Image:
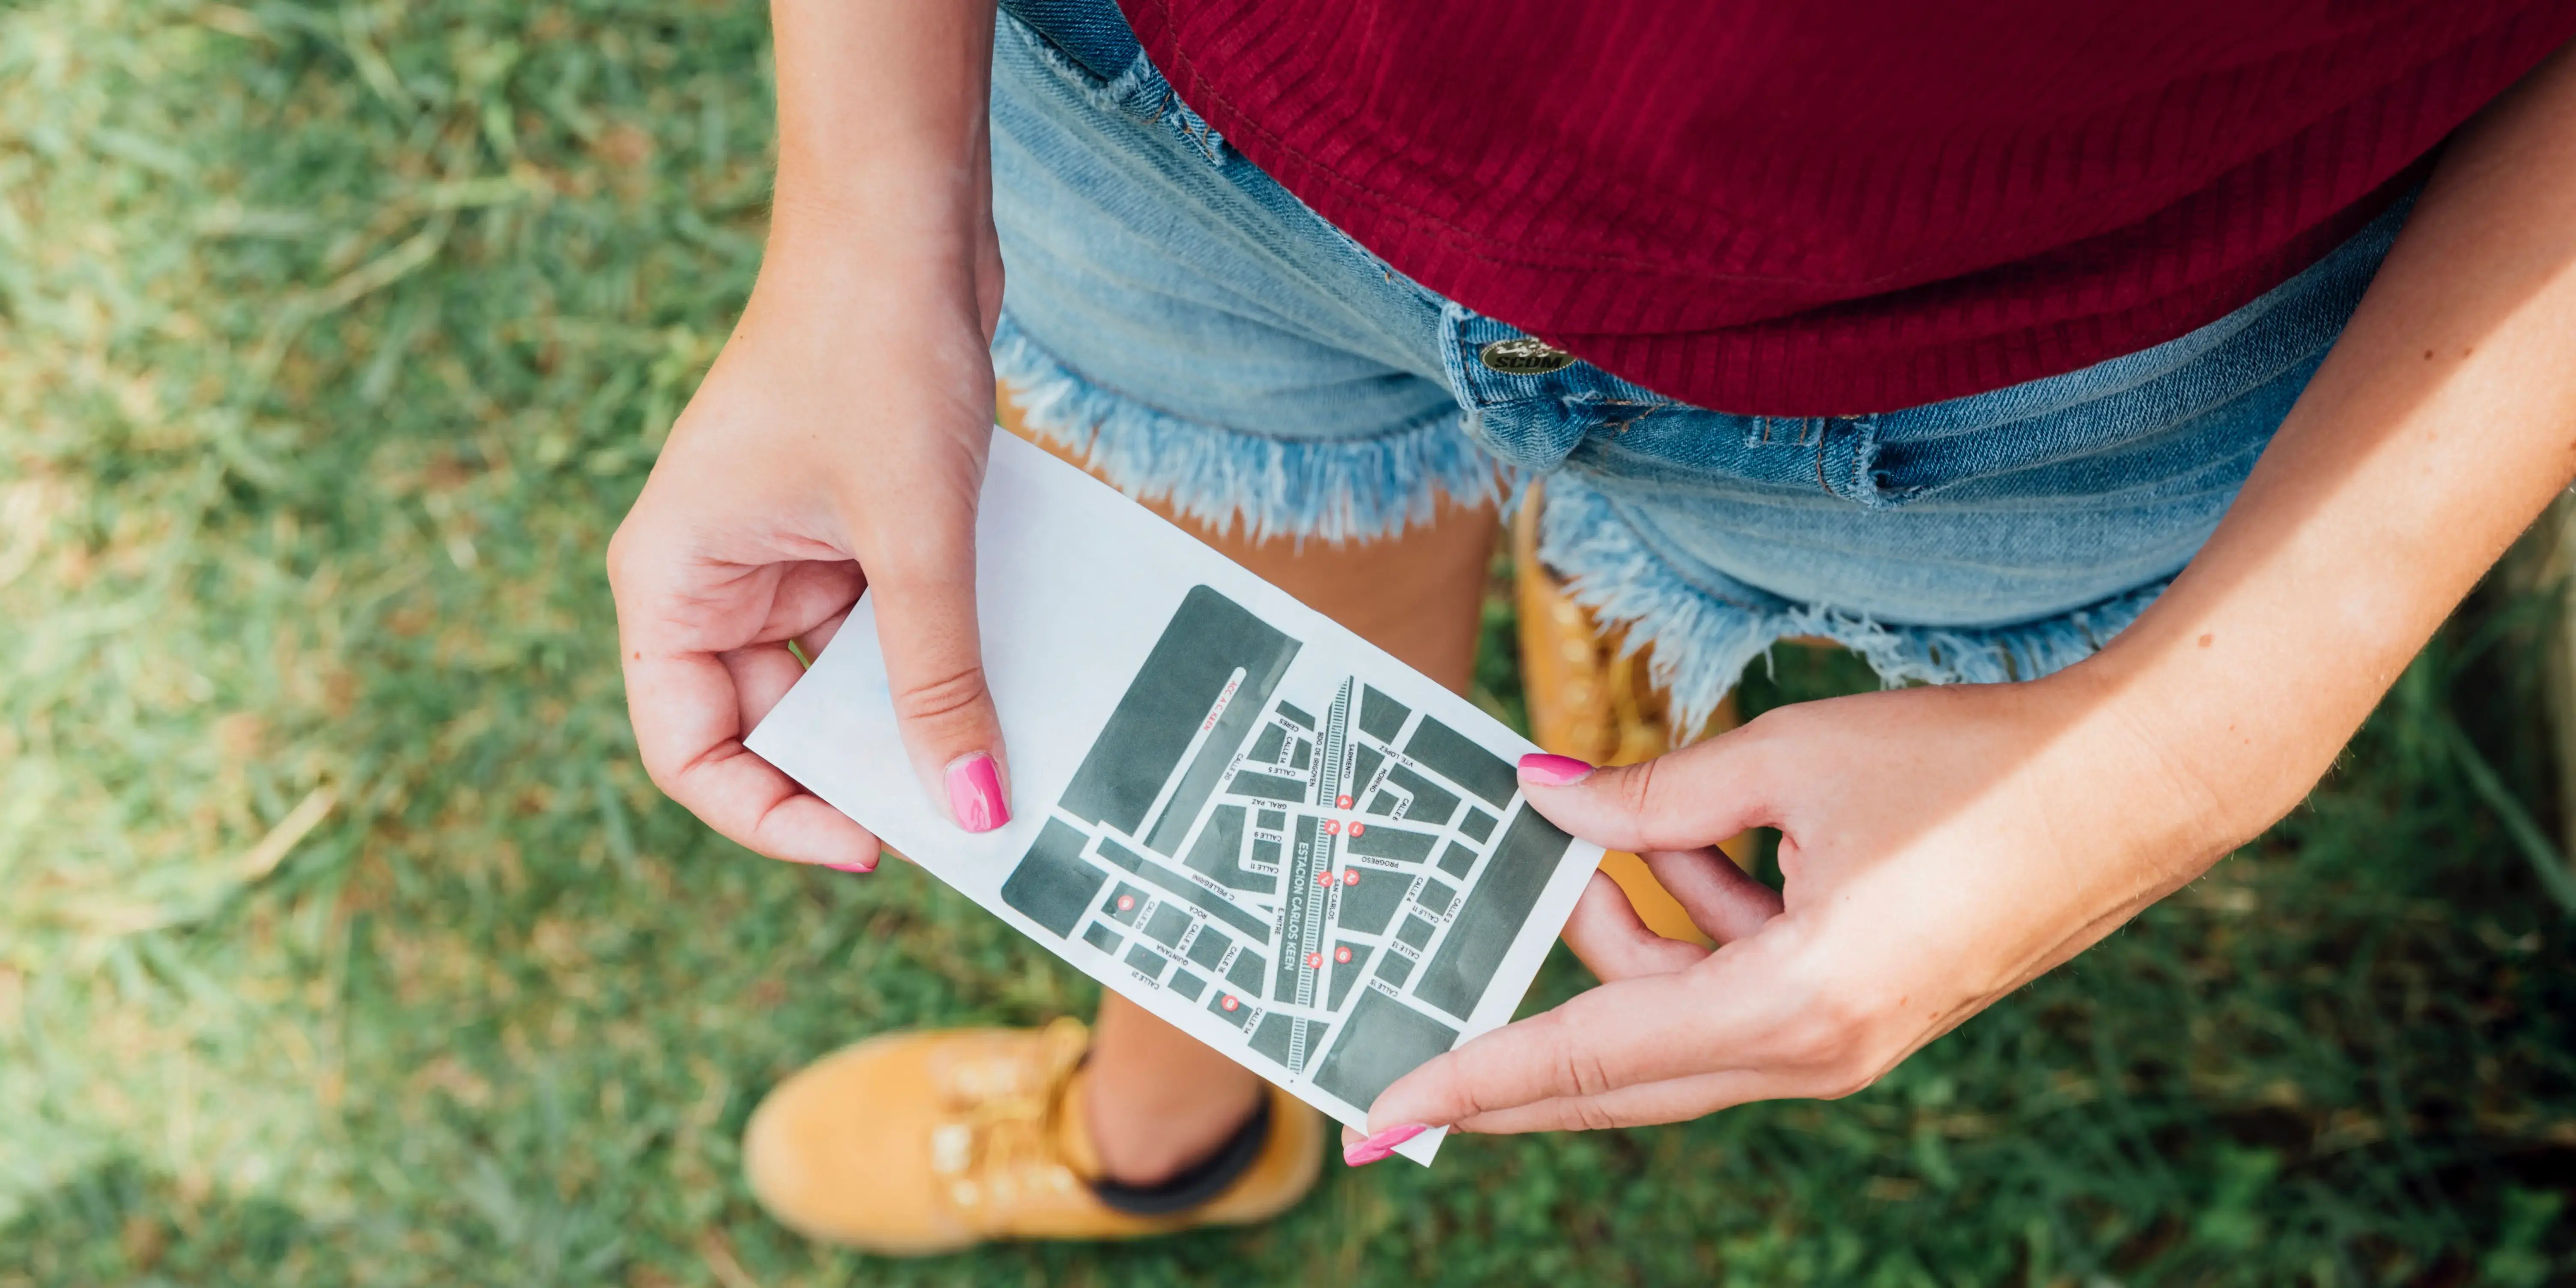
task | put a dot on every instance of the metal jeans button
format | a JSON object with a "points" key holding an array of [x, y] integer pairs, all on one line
{"points": [[1524, 357]]}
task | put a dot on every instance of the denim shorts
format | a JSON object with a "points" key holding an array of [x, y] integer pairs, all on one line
{"points": [[1213, 343]]}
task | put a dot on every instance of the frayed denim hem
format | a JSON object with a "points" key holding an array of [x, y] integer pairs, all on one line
{"points": [[1337, 489], [1702, 644]]}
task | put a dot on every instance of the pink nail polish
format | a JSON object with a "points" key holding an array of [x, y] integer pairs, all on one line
{"points": [[851, 867], [975, 794], [1382, 1144], [1553, 771]]}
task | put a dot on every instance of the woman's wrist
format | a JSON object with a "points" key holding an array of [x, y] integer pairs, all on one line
{"points": [[833, 273], [893, 227], [2210, 757]]}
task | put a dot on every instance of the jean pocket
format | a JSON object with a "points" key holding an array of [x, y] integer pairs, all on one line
{"points": [[1093, 34], [1073, 40]]}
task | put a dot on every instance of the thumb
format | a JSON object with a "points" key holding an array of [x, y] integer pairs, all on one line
{"points": [[924, 583], [1687, 799]]}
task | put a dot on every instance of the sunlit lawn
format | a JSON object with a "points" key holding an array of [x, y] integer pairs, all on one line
{"points": [[344, 942]]}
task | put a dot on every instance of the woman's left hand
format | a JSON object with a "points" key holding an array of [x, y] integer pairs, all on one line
{"points": [[1943, 846], [1939, 847]]}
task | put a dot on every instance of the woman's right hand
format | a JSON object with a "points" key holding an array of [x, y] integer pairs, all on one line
{"points": [[838, 444]]}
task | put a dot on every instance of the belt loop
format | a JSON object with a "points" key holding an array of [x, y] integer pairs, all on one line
{"points": [[1847, 462]]}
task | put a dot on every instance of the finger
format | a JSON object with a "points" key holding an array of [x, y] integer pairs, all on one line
{"points": [[809, 594], [688, 729], [925, 608], [762, 674], [1645, 1028], [1669, 1101], [819, 638], [1697, 796], [1721, 898], [1609, 937]]}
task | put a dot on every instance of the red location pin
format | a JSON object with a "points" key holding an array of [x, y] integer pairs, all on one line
{"points": [[1332, 826], [1126, 903], [1341, 802], [1350, 876], [1314, 961], [1342, 954], [1229, 1002], [1358, 828], [1323, 878]]}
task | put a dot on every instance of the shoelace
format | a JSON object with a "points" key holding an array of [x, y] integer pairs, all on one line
{"points": [[1004, 1141]]}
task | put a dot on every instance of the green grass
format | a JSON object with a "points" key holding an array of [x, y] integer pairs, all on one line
{"points": [[344, 941]]}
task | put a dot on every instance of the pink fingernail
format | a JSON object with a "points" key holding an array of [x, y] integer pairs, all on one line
{"points": [[1382, 1144], [1548, 770], [975, 794], [851, 867]]}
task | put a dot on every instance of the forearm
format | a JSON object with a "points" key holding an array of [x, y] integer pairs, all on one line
{"points": [[881, 253], [881, 127], [2442, 422], [864, 350]]}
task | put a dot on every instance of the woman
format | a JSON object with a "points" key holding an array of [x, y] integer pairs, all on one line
{"points": [[2169, 374]]}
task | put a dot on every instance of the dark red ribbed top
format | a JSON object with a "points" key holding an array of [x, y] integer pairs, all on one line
{"points": [[1810, 207]]}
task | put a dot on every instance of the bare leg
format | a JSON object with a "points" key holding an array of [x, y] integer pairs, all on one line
{"points": [[1158, 1100]]}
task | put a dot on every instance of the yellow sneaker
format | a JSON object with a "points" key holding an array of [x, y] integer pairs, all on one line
{"points": [[918, 1143], [1590, 700]]}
